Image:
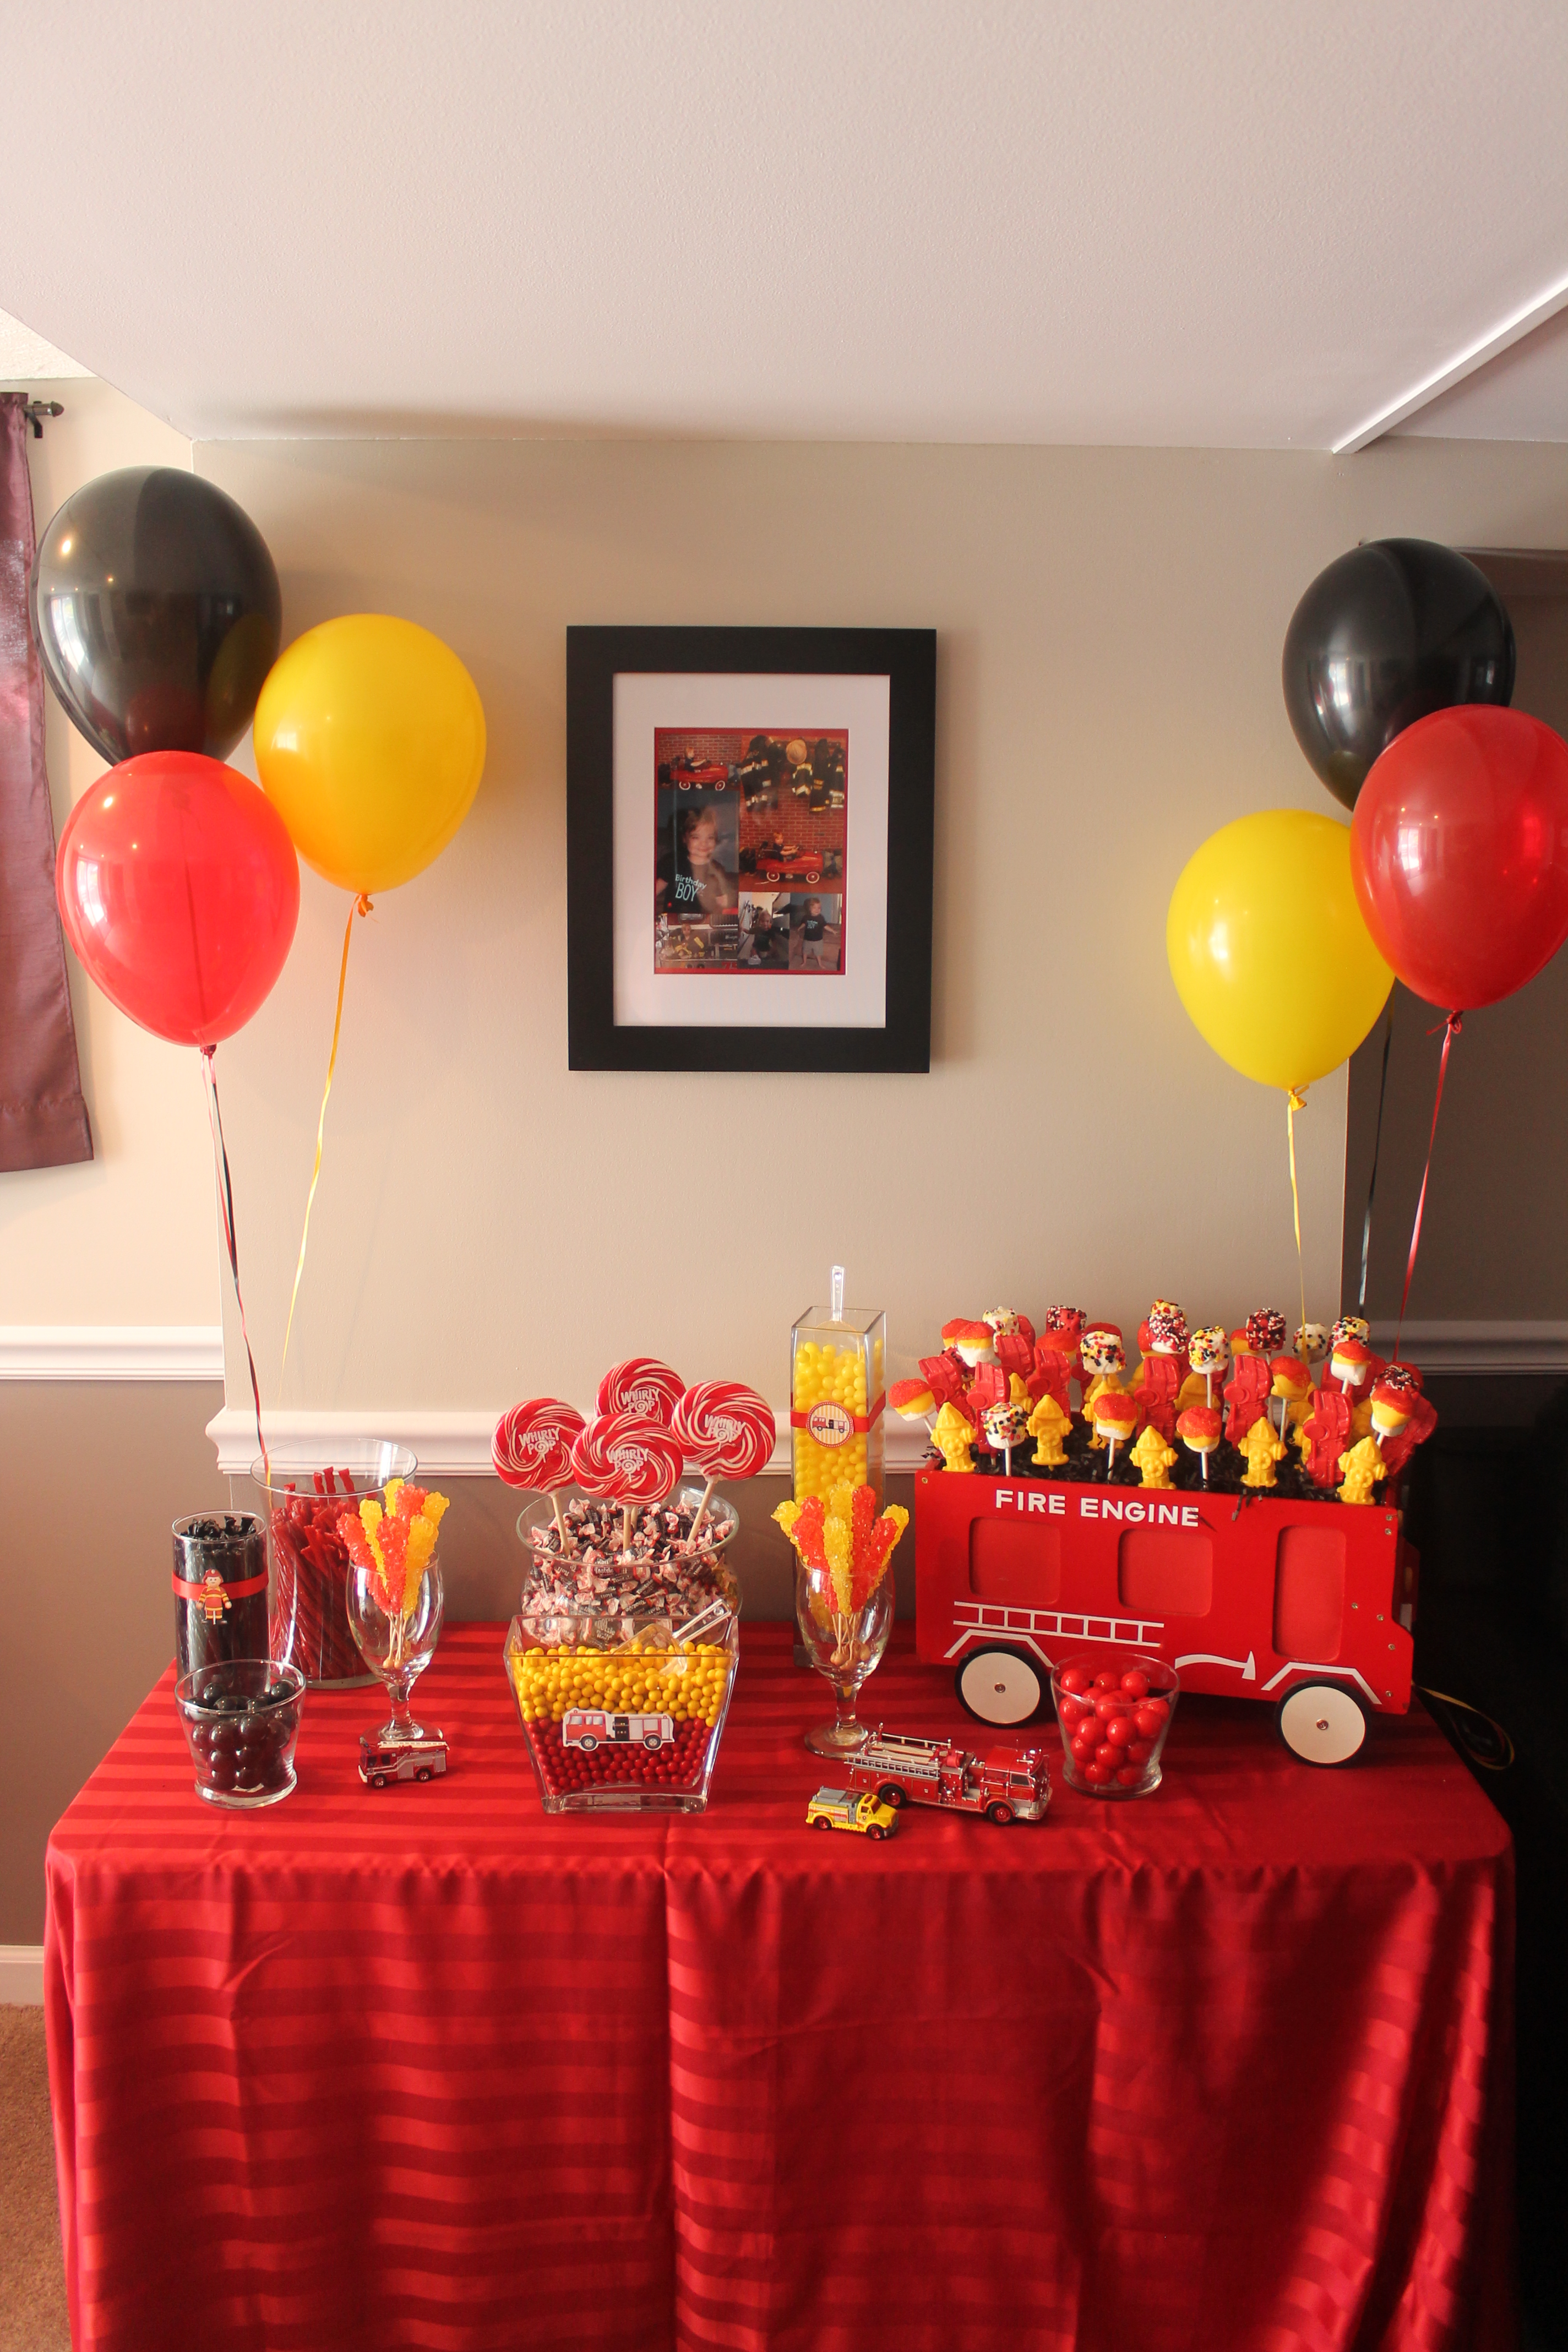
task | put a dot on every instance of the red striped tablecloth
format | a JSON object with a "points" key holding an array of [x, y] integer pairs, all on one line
{"points": [[1223, 2068]]}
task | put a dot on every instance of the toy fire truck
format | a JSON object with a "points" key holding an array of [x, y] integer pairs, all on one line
{"points": [[1005, 1784], [1308, 1605]]}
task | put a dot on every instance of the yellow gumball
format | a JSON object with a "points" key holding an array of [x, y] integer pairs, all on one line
{"points": [[370, 742], [1268, 950]]}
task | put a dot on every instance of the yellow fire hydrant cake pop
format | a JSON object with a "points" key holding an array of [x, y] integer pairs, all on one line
{"points": [[1263, 1447], [1048, 1425], [955, 1436], [1363, 1465], [1154, 1457]]}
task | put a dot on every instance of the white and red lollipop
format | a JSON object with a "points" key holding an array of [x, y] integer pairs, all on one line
{"points": [[641, 1385], [726, 1430], [532, 1447], [629, 1458]]}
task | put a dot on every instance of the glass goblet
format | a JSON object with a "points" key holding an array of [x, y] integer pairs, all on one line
{"points": [[846, 1646], [397, 1647]]}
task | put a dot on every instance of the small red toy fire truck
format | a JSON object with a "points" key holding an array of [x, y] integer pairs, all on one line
{"points": [[1005, 1784], [1305, 1604]]}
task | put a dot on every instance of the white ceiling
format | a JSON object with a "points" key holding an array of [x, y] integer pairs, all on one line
{"points": [[1219, 223]]}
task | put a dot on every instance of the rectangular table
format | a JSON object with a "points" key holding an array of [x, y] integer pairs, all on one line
{"points": [[1226, 2067]]}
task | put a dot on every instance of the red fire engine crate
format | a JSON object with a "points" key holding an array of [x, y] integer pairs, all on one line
{"points": [[1250, 1597]]}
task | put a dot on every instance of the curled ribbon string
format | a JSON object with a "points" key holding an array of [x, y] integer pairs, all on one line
{"points": [[1295, 1101], [1451, 1029], [226, 1214], [1376, 1149], [362, 906]]}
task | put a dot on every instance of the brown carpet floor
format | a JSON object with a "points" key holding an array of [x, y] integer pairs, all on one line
{"points": [[32, 2276]]}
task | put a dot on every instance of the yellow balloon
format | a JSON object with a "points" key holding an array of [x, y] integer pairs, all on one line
{"points": [[370, 742], [1268, 950]]}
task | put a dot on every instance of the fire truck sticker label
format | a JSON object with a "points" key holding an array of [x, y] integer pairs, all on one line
{"points": [[830, 1424]]}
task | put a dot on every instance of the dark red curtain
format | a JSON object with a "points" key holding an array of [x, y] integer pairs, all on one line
{"points": [[43, 1119]]}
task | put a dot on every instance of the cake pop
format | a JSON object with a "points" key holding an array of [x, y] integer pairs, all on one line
{"points": [[1263, 1449], [1397, 1448], [1209, 1352], [1312, 1342], [1323, 1436], [1159, 1373], [1266, 1331], [973, 1342], [1048, 1424], [1350, 1367], [914, 1400], [1115, 1419], [1104, 1362], [1199, 1430], [1153, 1456], [1350, 1326], [1007, 1425], [1291, 1382], [1362, 1466], [955, 1436]]}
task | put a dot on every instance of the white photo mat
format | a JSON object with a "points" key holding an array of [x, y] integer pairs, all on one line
{"points": [[770, 701]]}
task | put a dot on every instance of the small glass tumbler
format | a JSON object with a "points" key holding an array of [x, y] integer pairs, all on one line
{"points": [[1114, 1714], [241, 1718], [396, 1646], [846, 1646]]}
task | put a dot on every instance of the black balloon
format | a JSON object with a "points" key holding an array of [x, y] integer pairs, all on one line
{"points": [[157, 612], [1389, 631]]}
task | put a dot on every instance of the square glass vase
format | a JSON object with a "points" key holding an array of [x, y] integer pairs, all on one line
{"points": [[835, 1400], [623, 1697]]}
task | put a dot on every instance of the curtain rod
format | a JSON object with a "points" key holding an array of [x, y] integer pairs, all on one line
{"points": [[36, 410]]}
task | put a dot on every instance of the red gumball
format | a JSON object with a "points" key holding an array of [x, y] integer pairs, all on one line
{"points": [[1107, 1682], [1139, 1751], [179, 889], [1070, 1712], [1151, 1716], [1129, 1776], [1076, 1680], [1135, 1684], [1120, 1731], [1083, 1748], [1459, 852], [1108, 1755], [1097, 1775], [1108, 1703]]}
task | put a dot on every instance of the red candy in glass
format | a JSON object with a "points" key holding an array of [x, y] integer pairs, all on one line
{"points": [[1077, 1680], [1108, 1703], [1129, 1776], [1135, 1684], [1096, 1776], [1107, 1682], [1107, 1754], [1150, 1716], [1120, 1731]]}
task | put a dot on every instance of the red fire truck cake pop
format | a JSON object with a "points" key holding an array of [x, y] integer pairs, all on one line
{"points": [[1247, 1390], [1200, 1429]]}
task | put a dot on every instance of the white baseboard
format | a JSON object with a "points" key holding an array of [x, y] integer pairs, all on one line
{"points": [[1469, 1347], [457, 1444], [114, 1351], [22, 1975]]}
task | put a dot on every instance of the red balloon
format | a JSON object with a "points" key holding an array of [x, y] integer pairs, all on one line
{"points": [[179, 889], [1459, 852]]}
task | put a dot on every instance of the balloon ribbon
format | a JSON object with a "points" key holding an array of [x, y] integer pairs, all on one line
{"points": [[226, 1214], [362, 906], [1451, 1029], [1295, 1101], [1377, 1150]]}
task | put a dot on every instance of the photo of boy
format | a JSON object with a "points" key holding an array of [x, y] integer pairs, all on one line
{"points": [[816, 933], [696, 875]]}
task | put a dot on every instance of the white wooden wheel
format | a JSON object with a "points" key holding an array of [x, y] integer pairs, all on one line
{"points": [[1002, 1686], [1322, 1723]]}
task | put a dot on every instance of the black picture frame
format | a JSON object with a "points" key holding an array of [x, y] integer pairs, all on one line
{"points": [[595, 656]]}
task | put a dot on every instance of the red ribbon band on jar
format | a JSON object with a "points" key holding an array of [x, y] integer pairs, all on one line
{"points": [[860, 1423], [240, 1592]]}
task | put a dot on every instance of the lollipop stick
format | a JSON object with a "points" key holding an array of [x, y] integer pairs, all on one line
{"points": [[1109, 1455], [1208, 1389], [1203, 1459], [626, 1527], [560, 1522], [1007, 1461], [702, 1506]]}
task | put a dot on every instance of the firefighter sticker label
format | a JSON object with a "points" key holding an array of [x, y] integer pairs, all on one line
{"points": [[831, 1423]]}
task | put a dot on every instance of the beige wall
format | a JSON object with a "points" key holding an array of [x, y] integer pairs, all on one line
{"points": [[130, 1236], [489, 1224]]}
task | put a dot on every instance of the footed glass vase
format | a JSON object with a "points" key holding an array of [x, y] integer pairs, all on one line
{"points": [[396, 1646], [844, 1646]]}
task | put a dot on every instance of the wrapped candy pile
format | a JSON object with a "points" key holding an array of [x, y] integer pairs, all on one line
{"points": [[1325, 1419], [623, 1651]]}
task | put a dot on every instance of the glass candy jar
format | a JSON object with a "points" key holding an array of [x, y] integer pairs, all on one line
{"points": [[622, 1656], [300, 1497], [220, 1589], [835, 1400]]}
